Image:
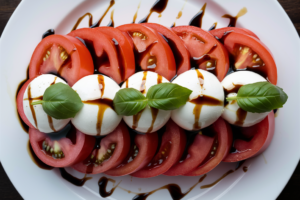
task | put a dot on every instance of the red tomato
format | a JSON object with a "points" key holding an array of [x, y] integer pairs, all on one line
{"points": [[181, 54], [151, 50], [142, 150], [73, 148], [220, 31], [172, 146], [221, 132], [194, 155], [62, 55], [112, 151], [20, 109], [206, 51], [251, 141], [123, 48], [107, 57], [251, 54]]}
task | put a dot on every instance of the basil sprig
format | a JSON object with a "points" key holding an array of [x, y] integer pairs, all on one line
{"points": [[260, 97], [60, 101], [164, 96]]}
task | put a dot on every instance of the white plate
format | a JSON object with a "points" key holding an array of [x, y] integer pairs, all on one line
{"points": [[267, 174]]}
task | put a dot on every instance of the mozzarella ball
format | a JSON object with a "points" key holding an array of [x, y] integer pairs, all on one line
{"points": [[205, 104], [150, 119], [97, 116], [35, 113], [232, 112]]}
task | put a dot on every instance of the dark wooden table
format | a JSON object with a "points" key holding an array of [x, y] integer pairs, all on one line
{"points": [[291, 190]]}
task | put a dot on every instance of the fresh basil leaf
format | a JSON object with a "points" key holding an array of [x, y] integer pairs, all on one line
{"points": [[167, 96], [129, 101], [60, 101], [260, 97]]}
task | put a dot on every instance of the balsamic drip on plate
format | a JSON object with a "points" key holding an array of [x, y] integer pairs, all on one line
{"points": [[35, 159], [48, 32], [72, 179], [197, 19], [159, 6], [233, 20]]}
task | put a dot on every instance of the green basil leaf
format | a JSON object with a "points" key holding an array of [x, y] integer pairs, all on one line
{"points": [[60, 101], [129, 101], [260, 97], [167, 96]]}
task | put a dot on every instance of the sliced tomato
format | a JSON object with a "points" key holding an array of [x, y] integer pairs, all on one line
{"points": [[63, 152], [172, 146], [152, 52], [219, 32], [251, 54], [20, 108], [104, 53], [251, 141], [222, 139], [61, 55], [181, 54], [112, 150], [206, 51], [123, 48], [142, 150]]}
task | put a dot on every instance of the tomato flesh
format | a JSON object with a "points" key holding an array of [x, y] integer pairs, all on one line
{"points": [[206, 52], [172, 146], [220, 31], [65, 56], [181, 54], [112, 151], [152, 52], [142, 150], [251, 54], [63, 152], [251, 141], [219, 149]]}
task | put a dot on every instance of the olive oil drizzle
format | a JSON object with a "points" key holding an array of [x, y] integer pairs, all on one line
{"points": [[233, 20], [158, 7]]}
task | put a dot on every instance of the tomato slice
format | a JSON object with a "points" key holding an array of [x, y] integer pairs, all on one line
{"points": [[152, 52], [20, 103], [142, 150], [172, 146], [220, 31], [104, 53], [251, 141], [251, 54], [112, 150], [222, 139], [206, 51], [123, 48], [61, 55], [181, 54], [62, 152]]}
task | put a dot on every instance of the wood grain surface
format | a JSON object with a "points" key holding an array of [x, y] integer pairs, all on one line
{"points": [[290, 192]]}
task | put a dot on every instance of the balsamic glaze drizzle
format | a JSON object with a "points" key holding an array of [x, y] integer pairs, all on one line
{"points": [[158, 7], [197, 19], [35, 159], [48, 32], [233, 20], [72, 179]]}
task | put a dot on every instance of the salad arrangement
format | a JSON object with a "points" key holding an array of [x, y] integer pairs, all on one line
{"points": [[145, 100]]}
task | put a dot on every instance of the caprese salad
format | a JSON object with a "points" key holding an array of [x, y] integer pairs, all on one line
{"points": [[145, 100]]}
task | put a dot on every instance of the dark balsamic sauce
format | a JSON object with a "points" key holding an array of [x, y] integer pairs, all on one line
{"points": [[72, 179], [213, 27], [111, 22], [218, 180], [96, 24], [35, 159], [233, 20], [135, 14], [102, 183], [245, 168], [48, 32], [197, 19], [158, 7], [174, 190]]}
